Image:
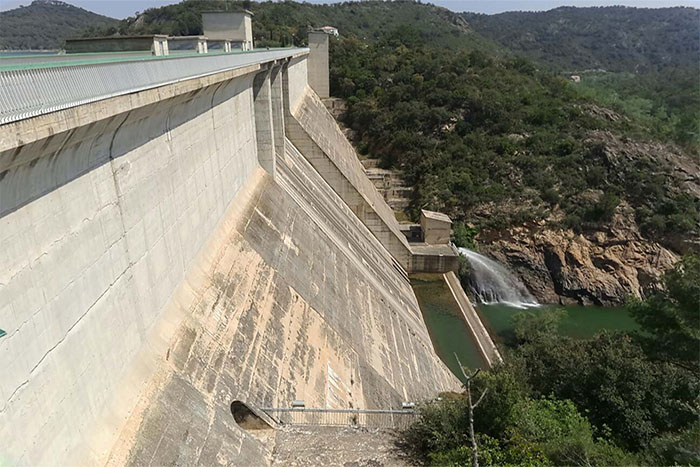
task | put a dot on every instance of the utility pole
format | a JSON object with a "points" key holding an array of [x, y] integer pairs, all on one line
{"points": [[468, 386]]}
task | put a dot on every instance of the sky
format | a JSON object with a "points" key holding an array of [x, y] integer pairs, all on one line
{"points": [[124, 8]]}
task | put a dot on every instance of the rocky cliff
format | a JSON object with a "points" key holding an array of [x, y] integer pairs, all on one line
{"points": [[602, 267], [602, 263]]}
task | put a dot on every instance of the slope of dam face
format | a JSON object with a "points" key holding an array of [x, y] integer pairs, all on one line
{"points": [[151, 273], [313, 130], [326, 326]]}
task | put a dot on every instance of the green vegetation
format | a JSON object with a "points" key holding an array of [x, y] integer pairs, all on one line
{"points": [[613, 38], [45, 24], [476, 135], [666, 103], [672, 317], [638, 61], [287, 23], [606, 400], [464, 235]]}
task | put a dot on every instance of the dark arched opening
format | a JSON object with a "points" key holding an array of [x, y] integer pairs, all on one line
{"points": [[247, 418]]}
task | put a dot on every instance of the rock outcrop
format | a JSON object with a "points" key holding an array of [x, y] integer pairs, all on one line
{"points": [[607, 262], [603, 267]]}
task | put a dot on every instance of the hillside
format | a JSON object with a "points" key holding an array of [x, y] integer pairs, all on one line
{"points": [[286, 23], [45, 24], [612, 38]]}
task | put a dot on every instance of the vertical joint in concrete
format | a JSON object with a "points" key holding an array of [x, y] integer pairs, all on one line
{"points": [[264, 130], [318, 64], [277, 104]]}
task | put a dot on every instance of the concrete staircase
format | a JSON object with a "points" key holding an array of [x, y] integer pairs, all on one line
{"points": [[389, 184]]}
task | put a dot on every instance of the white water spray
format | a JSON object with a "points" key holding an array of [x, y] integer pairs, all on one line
{"points": [[491, 282]]}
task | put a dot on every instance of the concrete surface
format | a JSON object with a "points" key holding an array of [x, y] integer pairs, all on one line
{"points": [[437, 227], [433, 258], [98, 227], [318, 64], [152, 272], [315, 133], [483, 339], [286, 311], [228, 25], [335, 446]]}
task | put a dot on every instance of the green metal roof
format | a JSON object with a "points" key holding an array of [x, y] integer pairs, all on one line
{"points": [[32, 62]]}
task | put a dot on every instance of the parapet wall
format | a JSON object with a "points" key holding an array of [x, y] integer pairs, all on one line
{"points": [[152, 273]]}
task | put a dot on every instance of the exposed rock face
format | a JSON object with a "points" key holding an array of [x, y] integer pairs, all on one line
{"points": [[684, 169], [602, 267], [605, 264]]}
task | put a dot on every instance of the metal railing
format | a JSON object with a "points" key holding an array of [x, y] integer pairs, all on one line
{"points": [[368, 418], [30, 90]]}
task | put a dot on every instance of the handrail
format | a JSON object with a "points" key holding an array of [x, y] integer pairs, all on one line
{"points": [[28, 92], [303, 409], [367, 418]]}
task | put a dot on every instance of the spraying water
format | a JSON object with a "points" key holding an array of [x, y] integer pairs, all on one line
{"points": [[492, 283]]}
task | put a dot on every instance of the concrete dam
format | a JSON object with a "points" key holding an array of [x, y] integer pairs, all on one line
{"points": [[179, 233]]}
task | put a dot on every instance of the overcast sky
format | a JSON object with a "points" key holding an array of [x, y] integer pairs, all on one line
{"points": [[124, 8]]}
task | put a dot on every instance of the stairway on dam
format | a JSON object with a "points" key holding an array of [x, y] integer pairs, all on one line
{"points": [[193, 230], [389, 184]]}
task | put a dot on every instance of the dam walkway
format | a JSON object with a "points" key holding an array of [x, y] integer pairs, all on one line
{"points": [[28, 87]]}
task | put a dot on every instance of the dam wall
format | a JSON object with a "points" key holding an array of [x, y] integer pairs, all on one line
{"points": [[168, 251]]}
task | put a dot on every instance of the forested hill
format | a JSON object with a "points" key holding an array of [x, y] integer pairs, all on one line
{"points": [[612, 38], [45, 24], [287, 23]]}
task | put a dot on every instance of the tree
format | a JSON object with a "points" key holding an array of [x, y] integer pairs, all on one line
{"points": [[678, 448], [511, 428], [471, 406], [611, 378], [670, 320]]}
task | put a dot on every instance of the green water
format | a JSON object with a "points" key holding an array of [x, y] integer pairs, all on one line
{"points": [[447, 328], [450, 333], [578, 322]]}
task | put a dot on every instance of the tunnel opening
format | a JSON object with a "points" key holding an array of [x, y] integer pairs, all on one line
{"points": [[247, 418]]}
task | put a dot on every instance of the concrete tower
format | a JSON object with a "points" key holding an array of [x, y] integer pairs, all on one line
{"points": [[318, 63], [233, 26]]}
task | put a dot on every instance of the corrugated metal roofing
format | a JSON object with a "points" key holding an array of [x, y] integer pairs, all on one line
{"points": [[38, 88]]}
